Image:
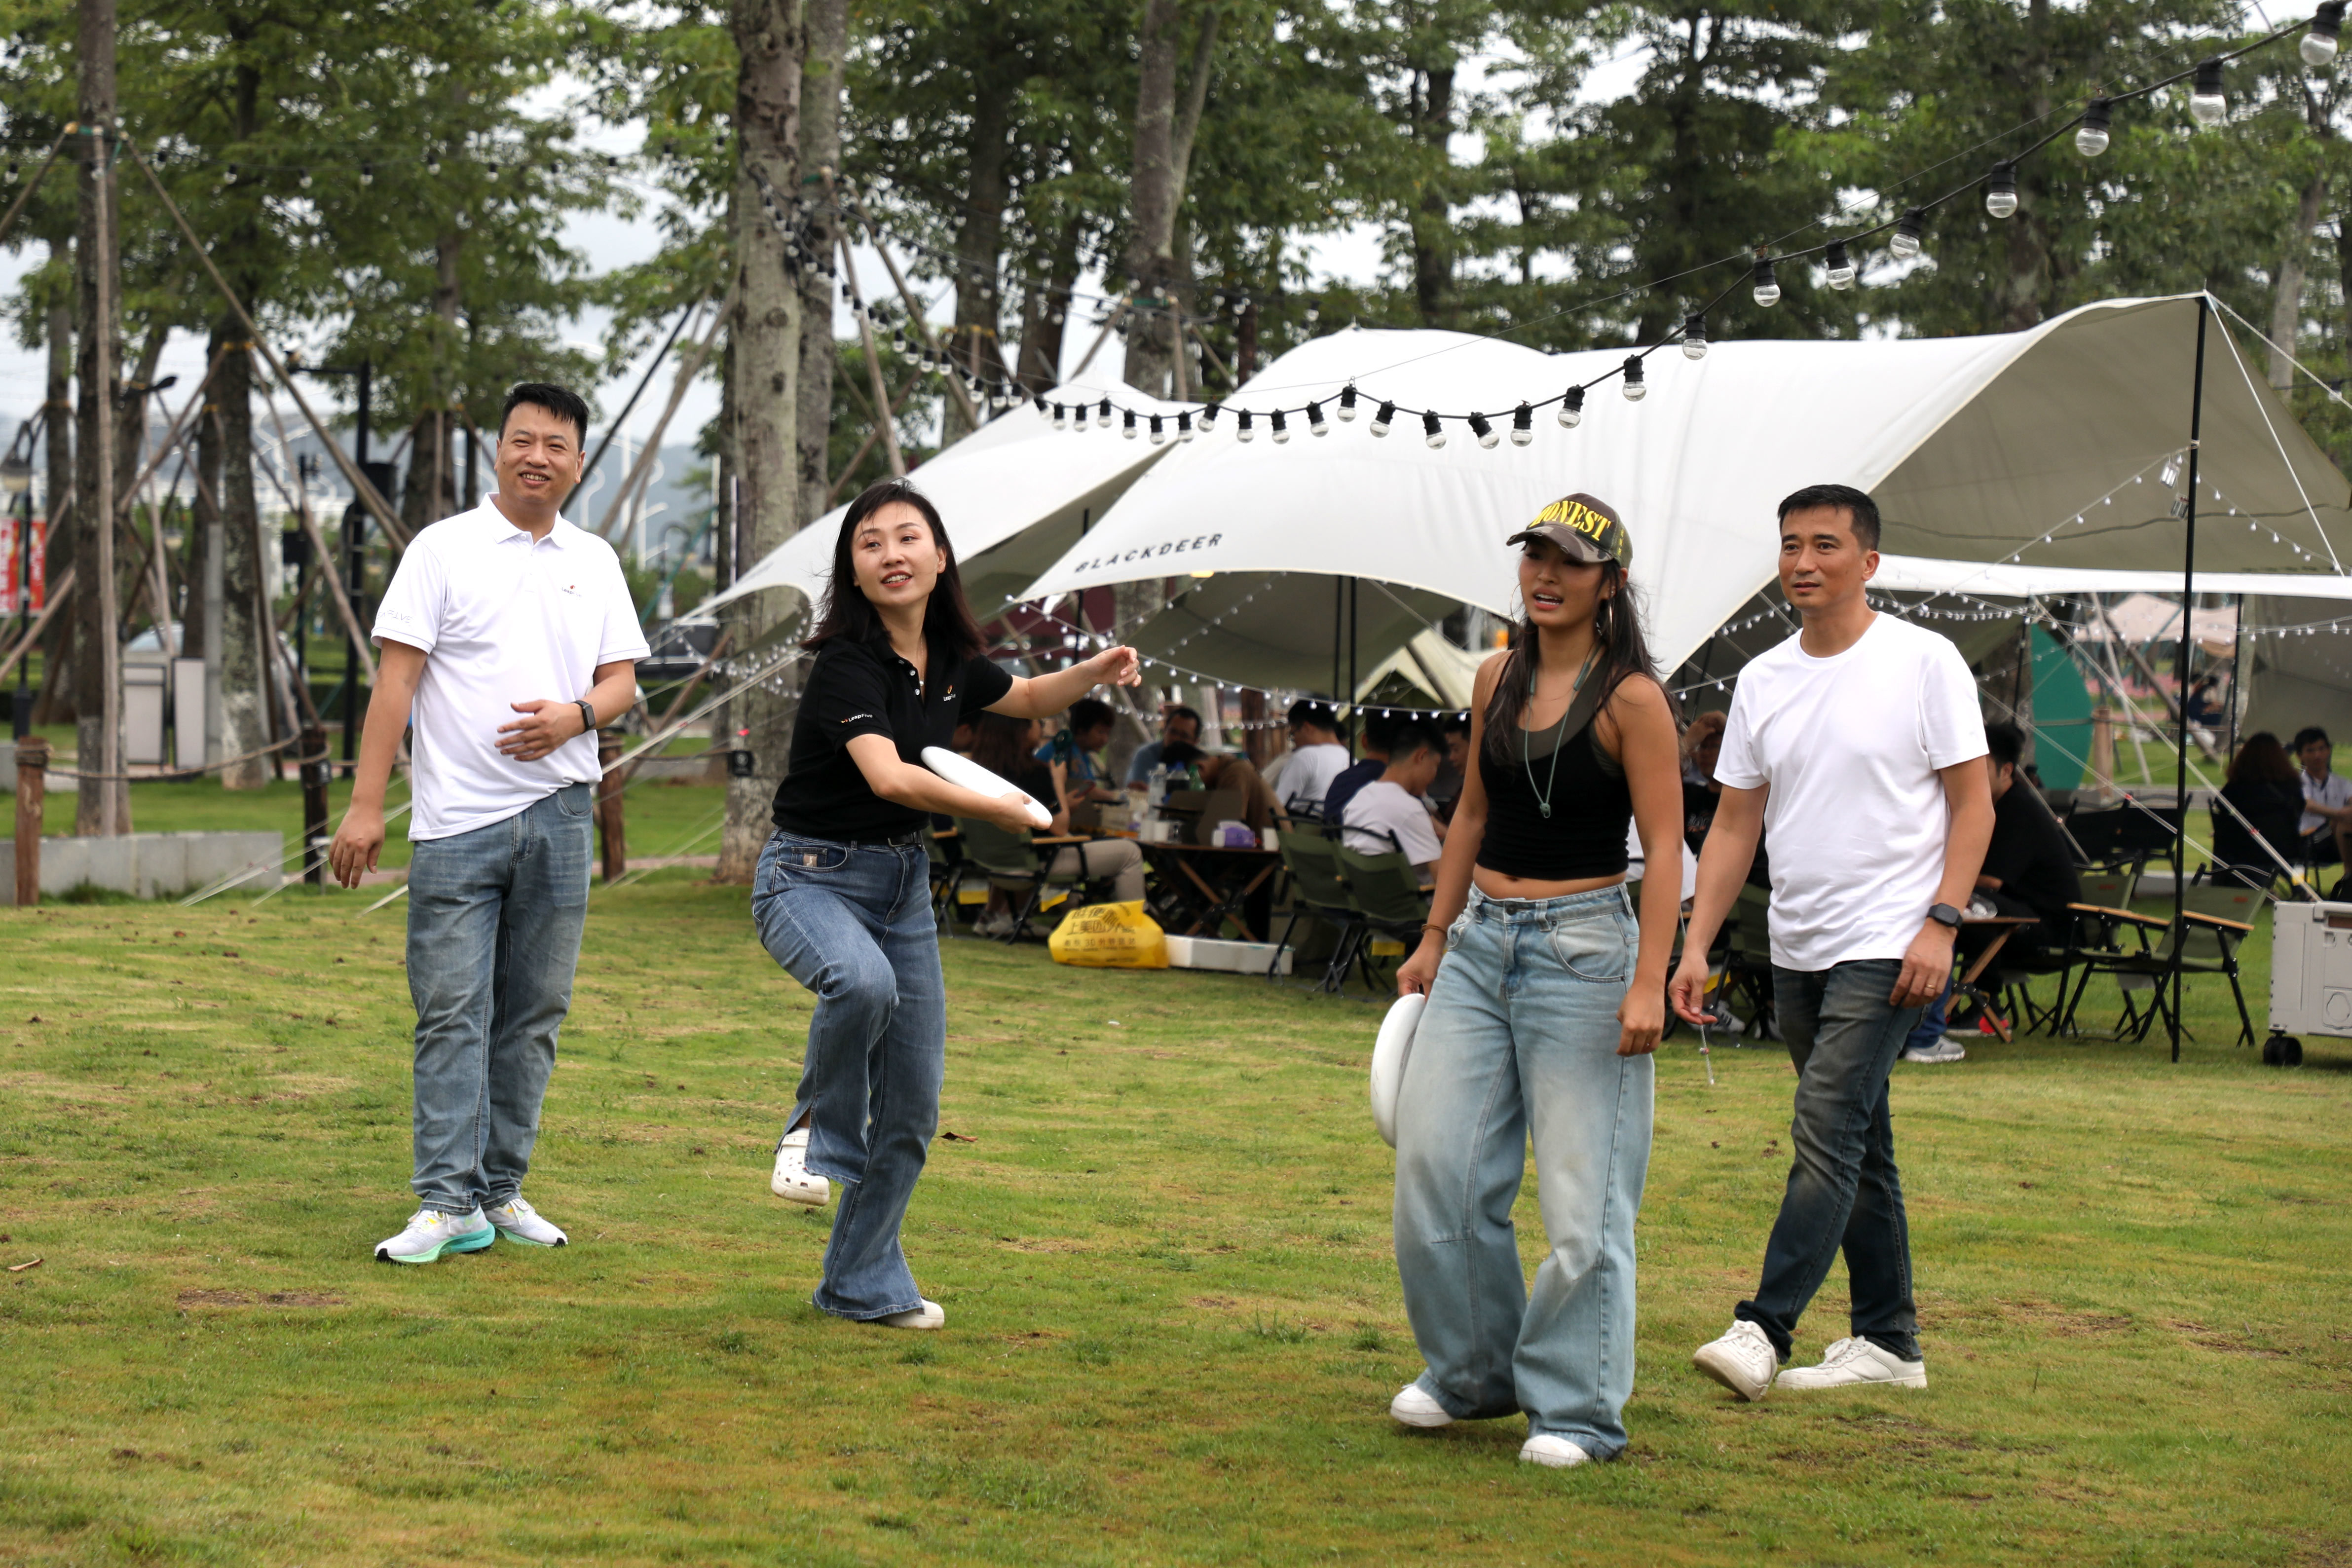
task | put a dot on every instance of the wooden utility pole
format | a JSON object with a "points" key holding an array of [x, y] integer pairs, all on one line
{"points": [[763, 368], [611, 834], [104, 806], [31, 781]]}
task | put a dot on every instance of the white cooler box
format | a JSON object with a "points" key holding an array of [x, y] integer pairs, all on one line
{"points": [[1238, 957], [2311, 977]]}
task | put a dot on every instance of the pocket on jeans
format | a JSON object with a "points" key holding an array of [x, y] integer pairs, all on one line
{"points": [[798, 856], [1457, 930], [1592, 948], [575, 799]]}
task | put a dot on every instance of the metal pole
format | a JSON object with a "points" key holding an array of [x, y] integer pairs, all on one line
{"points": [[1354, 730], [355, 577], [2187, 644]]}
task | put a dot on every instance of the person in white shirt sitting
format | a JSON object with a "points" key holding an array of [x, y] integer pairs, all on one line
{"points": [[1389, 813], [2327, 800], [1317, 758]]}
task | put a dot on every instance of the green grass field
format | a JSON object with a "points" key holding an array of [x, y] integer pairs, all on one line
{"points": [[1159, 1226]]}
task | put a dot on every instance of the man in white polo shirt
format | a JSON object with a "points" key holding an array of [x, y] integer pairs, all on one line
{"points": [[507, 637], [1858, 745]]}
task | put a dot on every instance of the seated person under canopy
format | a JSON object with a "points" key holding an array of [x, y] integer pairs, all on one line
{"points": [[1387, 814]]}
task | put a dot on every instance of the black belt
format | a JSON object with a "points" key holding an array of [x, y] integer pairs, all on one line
{"points": [[907, 840]]}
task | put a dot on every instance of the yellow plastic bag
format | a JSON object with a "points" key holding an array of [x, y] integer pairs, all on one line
{"points": [[1109, 936]]}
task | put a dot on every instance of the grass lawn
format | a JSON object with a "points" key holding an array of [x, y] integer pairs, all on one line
{"points": [[1160, 1232]]}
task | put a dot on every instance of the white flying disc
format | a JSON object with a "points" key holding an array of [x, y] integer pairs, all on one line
{"points": [[963, 770], [1389, 1056]]}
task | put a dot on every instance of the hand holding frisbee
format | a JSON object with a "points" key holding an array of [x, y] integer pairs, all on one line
{"points": [[967, 775], [1389, 1055]]}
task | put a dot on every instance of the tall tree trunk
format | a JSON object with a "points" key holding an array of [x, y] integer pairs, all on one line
{"points": [[103, 807], [1433, 221], [430, 492], [1165, 133], [56, 705], [1044, 313], [764, 334], [245, 717], [821, 98], [207, 566], [2026, 294], [2286, 309], [980, 243]]}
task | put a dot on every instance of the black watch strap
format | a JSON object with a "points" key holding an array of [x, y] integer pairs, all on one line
{"points": [[587, 715], [1944, 914]]}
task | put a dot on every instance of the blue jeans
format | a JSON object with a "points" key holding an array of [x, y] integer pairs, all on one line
{"points": [[853, 923], [1520, 1038], [1844, 1190], [494, 921]]}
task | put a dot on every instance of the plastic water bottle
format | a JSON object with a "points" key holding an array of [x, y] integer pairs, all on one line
{"points": [[1158, 793]]}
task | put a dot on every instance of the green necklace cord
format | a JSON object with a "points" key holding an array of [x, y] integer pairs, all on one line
{"points": [[1527, 748]]}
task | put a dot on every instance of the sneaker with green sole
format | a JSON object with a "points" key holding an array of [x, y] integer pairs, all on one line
{"points": [[431, 1233]]}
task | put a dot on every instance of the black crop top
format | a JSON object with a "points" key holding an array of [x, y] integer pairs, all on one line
{"points": [[1590, 810]]}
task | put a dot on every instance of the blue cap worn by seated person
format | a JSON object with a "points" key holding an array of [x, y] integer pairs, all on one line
{"points": [[1586, 528]]}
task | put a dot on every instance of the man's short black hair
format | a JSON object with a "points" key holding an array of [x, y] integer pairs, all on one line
{"points": [[1090, 713], [562, 401], [1180, 754], [1307, 711], [1860, 509], [2310, 733], [1181, 712], [2006, 742], [1381, 730], [1406, 736]]}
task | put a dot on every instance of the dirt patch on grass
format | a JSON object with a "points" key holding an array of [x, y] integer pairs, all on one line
{"points": [[2046, 1317], [259, 1299], [2223, 1339]]}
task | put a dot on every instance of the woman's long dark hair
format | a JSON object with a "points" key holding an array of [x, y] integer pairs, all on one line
{"points": [[1624, 652], [845, 612], [2261, 760]]}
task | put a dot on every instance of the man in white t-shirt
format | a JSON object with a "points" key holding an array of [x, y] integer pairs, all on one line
{"points": [[1389, 813], [2327, 822], [1316, 758], [507, 637], [1858, 745]]}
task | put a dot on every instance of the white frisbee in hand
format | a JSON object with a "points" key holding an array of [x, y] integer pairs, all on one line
{"points": [[971, 775], [1388, 1055]]}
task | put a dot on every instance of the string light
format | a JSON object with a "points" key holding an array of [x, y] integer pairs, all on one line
{"points": [[2209, 100], [1126, 426], [1841, 267], [1281, 431], [1183, 428], [1061, 417], [1766, 290], [1523, 426], [1158, 435], [1907, 232], [1383, 419], [2000, 191], [1571, 408], [1636, 388], [1433, 431], [1694, 335], [2091, 137], [2318, 45], [1241, 431], [1485, 432], [1316, 423], [1348, 403]]}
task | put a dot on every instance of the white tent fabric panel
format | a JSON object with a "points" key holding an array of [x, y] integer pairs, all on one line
{"points": [[2020, 580], [2292, 681], [1013, 476], [1976, 448]]}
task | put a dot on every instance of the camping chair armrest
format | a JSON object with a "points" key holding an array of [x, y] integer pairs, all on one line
{"points": [[2217, 922], [1059, 839], [2147, 922]]}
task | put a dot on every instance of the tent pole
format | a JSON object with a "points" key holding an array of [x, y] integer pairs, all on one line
{"points": [[1354, 730], [1339, 624], [2188, 645], [2237, 671]]}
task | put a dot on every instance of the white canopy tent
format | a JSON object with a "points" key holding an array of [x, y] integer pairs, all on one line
{"points": [[1013, 494], [2046, 447]]}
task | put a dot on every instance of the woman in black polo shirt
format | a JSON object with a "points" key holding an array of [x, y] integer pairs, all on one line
{"points": [[842, 898]]}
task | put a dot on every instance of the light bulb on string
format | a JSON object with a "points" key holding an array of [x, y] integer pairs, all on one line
{"points": [[1061, 417], [1159, 434], [367, 174], [1348, 403], [1281, 430], [1432, 430], [1636, 388], [1102, 413], [2318, 45], [1694, 335], [1905, 245], [1208, 416], [1765, 283], [1385, 418], [1485, 430], [1241, 431], [1316, 423], [1183, 428], [1840, 266], [1571, 408], [1079, 418], [2092, 136], [2000, 191], [2209, 99], [1126, 426], [432, 163], [1523, 426]]}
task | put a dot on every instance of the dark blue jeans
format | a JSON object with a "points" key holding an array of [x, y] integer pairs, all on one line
{"points": [[1843, 1191], [853, 923]]}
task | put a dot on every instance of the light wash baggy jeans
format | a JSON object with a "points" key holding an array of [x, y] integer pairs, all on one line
{"points": [[853, 923], [494, 921], [1519, 1038]]}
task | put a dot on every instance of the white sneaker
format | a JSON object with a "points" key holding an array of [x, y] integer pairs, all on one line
{"points": [[999, 925], [1849, 1363], [518, 1221], [1948, 1049], [1743, 1359], [930, 1315], [792, 1180], [1413, 1406], [431, 1233], [1543, 1449]]}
